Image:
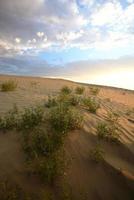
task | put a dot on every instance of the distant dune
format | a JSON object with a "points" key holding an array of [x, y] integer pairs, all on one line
{"points": [[114, 179]]}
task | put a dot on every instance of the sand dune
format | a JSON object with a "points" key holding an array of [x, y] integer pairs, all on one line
{"points": [[112, 180]]}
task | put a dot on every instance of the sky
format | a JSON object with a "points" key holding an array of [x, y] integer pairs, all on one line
{"points": [[89, 41]]}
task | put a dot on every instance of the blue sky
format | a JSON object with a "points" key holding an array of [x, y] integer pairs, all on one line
{"points": [[72, 39]]}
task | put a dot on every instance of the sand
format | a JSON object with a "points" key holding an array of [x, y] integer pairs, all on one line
{"points": [[114, 179]]}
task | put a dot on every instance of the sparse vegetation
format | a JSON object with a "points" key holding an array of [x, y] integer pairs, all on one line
{"points": [[52, 101], [10, 119], [79, 90], [49, 168], [91, 104], [31, 117], [8, 86], [44, 153], [97, 154], [69, 100], [64, 118], [94, 90], [109, 130], [65, 90], [113, 117], [42, 143]]}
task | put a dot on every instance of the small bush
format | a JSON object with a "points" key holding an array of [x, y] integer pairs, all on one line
{"points": [[38, 143], [48, 168], [65, 90], [79, 90], [31, 117], [51, 102], [8, 86], [108, 131], [64, 118], [10, 120], [94, 90], [102, 130], [68, 100], [73, 100], [91, 104], [113, 117], [97, 154]]}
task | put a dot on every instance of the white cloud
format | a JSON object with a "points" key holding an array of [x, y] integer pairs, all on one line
{"points": [[63, 24], [40, 34], [17, 40], [108, 14]]}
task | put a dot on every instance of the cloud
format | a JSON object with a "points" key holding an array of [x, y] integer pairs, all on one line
{"points": [[18, 40], [59, 24]]}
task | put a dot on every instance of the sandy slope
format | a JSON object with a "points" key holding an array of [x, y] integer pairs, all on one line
{"points": [[112, 180]]}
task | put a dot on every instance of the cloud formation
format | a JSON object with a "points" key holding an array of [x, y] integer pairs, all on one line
{"points": [[30, 28], [56, 24]]}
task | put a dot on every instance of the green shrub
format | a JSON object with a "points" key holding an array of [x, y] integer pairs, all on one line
{"points": [[10, 120], [91, 104], [8, 86], [38, 143], [64, 118], [94, 90], [108, 131], [48, 168], [79, 90], [102, 130], [97, 154], [31, 117], [51, 102], [65, 90], [73, 100], [69, 100], [113, 117]]}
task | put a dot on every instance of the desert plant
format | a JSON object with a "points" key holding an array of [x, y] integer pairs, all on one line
{"points": [[69, 100], [38, 143], [94, 90], [79, 90], [52, 101], [65, 90], [97, 154], [64, 118], [113, 117], [31, 117], [73, 100], [48, 168], [8, 86], [91, 104], [108, 131], [10, 119], [102, 130]]}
